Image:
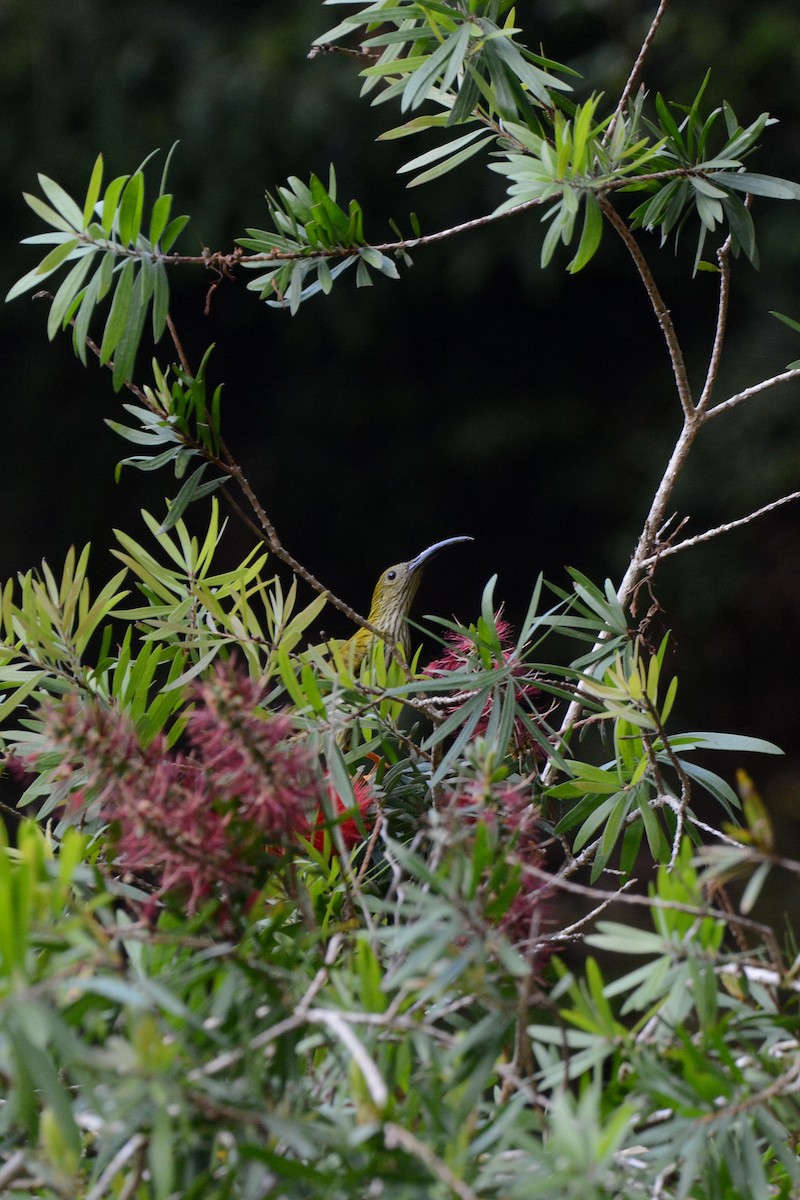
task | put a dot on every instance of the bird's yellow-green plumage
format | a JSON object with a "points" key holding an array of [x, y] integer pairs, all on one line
{"points": [[391, 604]]}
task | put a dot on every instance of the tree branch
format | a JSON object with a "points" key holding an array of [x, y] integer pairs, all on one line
{"points": [[723, 259], [636, 70], [660, 309], [765, 384], [664, 552]]}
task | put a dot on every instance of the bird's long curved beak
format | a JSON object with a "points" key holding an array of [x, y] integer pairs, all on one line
{"points": [[422, 558]]}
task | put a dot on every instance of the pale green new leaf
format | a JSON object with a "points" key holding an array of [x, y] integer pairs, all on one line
{"points": [[450, 163], [66, 294], [591, 235], [446, 61], [118, 314], [93, 191], [130, 209], [430, 156], [62, 202], [110, 202], [49, 215]]}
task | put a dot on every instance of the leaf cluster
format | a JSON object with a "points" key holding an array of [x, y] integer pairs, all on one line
{"points": [[309, 228], [105, 239]]}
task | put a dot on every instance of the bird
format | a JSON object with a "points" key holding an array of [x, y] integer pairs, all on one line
{"points": [[391, 603]]}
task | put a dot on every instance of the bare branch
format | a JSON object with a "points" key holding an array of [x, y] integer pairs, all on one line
{"points": [[659, 307], [603, 898], [723, 258], [397, 1135], [636, 70], [755, 390], [358, 1052], [726, 528]]}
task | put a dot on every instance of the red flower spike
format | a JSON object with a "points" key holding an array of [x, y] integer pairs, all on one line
{"points": [[197, 821], [350, 828]]}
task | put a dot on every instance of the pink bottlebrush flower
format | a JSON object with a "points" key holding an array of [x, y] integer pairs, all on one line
{"points": [[507, 808], [253, 761], [200, 821], [461, 654]]}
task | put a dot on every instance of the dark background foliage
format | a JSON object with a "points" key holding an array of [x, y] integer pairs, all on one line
{"points": [[479, 395]]}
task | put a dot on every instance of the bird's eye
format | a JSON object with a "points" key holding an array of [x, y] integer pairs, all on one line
{"points": [[390, 575]]}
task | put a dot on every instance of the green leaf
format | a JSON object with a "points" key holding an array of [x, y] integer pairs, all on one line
{"points": [[128, 344], [93, 191], [159, 218], [758, 185], [795, 325], [172, 233], [446, 61], [422, 160], [723, 741], [415, 125], [591, 235], [130, 210], [57, 256], [48, 214], [106, 270], [66, 293], [160, 299], [62, 203], [193, 489], [118, 315], [110, 202], [450, 163]]}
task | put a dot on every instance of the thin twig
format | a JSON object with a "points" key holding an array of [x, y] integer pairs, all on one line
{"points": [[225, 462], [568, 932], [12, 1168], [755, 390], [636, 70], [660, 309], [358, 1052], [621, 896], [176, 341], [723, 259], [396, 1135], [788, 1082], [125, 1152], [267, 1036], [665, 551]]}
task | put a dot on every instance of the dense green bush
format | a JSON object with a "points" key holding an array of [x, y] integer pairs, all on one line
{"points": [[279, 923]]}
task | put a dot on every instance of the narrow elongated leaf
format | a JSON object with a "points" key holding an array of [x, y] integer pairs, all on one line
{"points": [[430, 156], [591, 235], [446, 61], [120, 307], [62, 202], [759, 185], [66, 293], [48, 214], [450, 163], [130, 209], [93, 191], [173, 232], [193, 489], [159, 218], [110, 202], [57, 256], [80, 328], [160, 299], [415, 125]]}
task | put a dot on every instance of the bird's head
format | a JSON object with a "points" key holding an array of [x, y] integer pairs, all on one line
{"points": [[397, 587]]}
